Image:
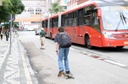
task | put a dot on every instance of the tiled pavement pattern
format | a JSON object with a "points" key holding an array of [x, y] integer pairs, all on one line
{"points": [[11, 64]]}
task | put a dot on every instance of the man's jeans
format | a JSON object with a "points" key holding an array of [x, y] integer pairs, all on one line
{"points": [[63, 55]]}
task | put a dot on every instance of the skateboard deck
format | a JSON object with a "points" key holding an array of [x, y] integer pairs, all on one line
{"points": [[42, 48], [68, 76]]}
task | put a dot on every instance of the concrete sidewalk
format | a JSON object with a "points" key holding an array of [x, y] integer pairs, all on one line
{"points": [[13, 65]]}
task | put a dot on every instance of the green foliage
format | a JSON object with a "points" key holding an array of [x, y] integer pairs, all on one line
{"points": [[56, 8], [4, 10], [10, 7], [17, 6]]}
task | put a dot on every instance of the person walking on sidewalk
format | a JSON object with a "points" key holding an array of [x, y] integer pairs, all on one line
{"points": [[7, 34], [63, 43], [1, 33], [42, 38]]}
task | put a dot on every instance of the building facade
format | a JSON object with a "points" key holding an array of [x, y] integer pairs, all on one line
{"points": [[34, 12], [73, 3]]}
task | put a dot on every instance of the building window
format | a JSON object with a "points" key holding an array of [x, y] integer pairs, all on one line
{"points": [[31, 10], [38, 11]]}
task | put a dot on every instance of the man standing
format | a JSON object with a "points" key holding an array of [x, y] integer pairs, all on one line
{"points": [[62, 51], [42, 38]]}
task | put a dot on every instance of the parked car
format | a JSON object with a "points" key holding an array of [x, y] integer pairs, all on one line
{"points": [[37, 31]]}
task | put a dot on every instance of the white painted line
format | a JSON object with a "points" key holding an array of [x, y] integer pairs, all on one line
{"points": [[116, 63], [27, 74]]}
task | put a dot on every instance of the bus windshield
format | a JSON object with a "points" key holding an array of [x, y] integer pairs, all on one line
{"points": [[115, 17]]}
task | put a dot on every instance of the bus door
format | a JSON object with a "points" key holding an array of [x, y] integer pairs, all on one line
{"points": [[72, 22], [80, 27], [74, 27], [95, 31]]}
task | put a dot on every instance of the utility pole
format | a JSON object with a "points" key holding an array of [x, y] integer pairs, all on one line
{"points": [[10, 34]]}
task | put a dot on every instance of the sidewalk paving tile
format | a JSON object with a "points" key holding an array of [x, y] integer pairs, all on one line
{"points": [[11, 65]]}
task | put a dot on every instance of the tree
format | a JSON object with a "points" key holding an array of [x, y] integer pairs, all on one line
{"points": [[56, 8], [10, 7], [17, 6], [4, 10]]}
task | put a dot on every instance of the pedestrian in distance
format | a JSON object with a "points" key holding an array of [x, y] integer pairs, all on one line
{"points": [[42, 38], [7, 34], [63, 43], [1, 35]]}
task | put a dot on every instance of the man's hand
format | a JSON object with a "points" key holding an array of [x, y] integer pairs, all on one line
{"points": [[57, 52]]}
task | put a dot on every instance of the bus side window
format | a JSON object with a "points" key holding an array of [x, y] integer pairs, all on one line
{"points": [[46, 23], [70, 19], [66, 20], [51, 23], [80, 17], [55, 22], [95, 20], [74, 19], [62, 20], [87, 17], [43, 24]]}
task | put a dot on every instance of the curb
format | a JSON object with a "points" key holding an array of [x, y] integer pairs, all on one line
{"points": [[29, 72]]}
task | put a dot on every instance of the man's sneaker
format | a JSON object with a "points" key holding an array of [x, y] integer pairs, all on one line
{"points": [[60, 73], [67, 72], [69, 75]]}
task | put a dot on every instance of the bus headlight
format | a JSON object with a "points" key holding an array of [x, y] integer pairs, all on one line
{"points": [[107, 35]]}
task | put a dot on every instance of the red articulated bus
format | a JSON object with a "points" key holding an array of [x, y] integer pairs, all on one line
{"points": [[99, 24]]}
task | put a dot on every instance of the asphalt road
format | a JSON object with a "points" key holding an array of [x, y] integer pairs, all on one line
{"points": [[97, 66]]}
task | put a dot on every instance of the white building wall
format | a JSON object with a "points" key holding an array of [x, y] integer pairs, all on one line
{"points": [[34, 5]]}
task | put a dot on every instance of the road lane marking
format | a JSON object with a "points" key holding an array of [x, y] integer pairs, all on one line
{"points": [[99, 57]]}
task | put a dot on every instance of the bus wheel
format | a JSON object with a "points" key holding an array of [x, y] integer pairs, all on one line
{"points": [[87, 42], [119, 47]]}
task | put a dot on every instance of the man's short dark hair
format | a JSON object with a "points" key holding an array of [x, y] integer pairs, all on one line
{"points": [[61, 29]]}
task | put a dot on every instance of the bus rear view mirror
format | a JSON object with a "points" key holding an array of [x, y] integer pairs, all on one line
{"points": [[99, 12]]}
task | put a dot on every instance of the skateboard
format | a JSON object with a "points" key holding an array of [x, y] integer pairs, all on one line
{"points": [[42, 48], [68, 76]]}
